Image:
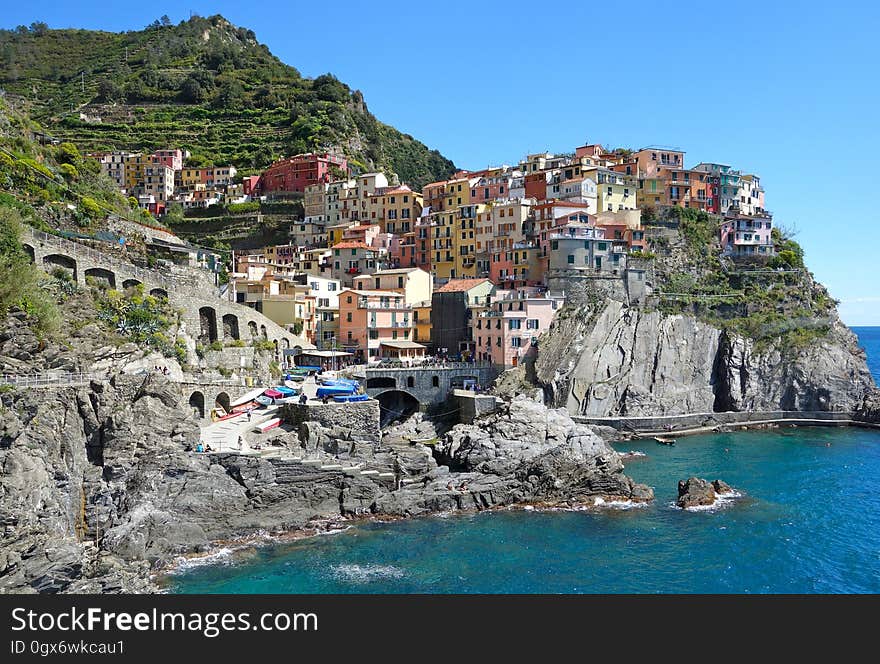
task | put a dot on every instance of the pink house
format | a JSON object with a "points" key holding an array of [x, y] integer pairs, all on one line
{"points": [[747, 235], [508, 330]]}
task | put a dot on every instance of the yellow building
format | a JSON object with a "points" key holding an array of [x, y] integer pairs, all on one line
{"points": [[422, 322], [466, 239], [134, 169], [443, 242], [413, 283], [614, 191]]}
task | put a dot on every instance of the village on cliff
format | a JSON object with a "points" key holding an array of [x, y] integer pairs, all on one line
{"points": [[473, 268]]}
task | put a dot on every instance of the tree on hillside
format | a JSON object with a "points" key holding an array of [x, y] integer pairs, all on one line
{"points": [[39, 28], [108, 91]]}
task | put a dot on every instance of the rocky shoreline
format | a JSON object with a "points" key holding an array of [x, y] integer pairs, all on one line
{"points": [[99, 492]]}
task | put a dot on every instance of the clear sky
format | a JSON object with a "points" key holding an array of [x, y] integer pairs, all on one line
{"points": [[790, 91]]}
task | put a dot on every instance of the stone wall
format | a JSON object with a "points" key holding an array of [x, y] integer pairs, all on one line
{"points": [[360, 417], [583, 290], [471, 405], [661, 423]]}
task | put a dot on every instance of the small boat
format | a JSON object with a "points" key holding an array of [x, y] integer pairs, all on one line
{"points": [[285, 391], [264, 400], [336, 390], [269, 425], [665, 441], [348, 398]]}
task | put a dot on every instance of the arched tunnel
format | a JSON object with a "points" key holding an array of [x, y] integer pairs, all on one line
{"points": [[396, 405]]}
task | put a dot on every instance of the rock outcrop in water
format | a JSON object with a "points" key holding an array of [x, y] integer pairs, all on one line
{"points": [[697, 492], [627, 361]]}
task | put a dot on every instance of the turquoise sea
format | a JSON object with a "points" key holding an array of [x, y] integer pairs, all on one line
{"points": [[808, 522]]}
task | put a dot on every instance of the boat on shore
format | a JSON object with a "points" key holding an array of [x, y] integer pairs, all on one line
{"points": [[664, 441]]}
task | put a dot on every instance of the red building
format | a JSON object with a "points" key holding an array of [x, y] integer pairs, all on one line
{"points": [[536, 185], [294, 174], [251, 185]]}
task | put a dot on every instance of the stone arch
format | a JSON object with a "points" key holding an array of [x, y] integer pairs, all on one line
{"points": [[410, 381], [29, 250], [396, 405], [381, 381], [197, 403], [263, 333], [435, 381], [159, 292], [252, 328], [67, 263], [230, 326], [223, 401], [208, 324], [131, 283], [101, 274]]}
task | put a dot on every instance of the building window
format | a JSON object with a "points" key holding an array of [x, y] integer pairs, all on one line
{"points": [[571, 259], [516, 342], [435, 381]]}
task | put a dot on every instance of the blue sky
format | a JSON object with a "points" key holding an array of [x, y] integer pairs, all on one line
{"points": [[786, 90]]}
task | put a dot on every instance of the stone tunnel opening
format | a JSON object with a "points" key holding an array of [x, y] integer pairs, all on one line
{"points": [[395, 405], [130, 283], [230, 326], [29, 250], [222, 401], [102, 275], [60, 261], [159, 292], [208, 324], [197, 403]]}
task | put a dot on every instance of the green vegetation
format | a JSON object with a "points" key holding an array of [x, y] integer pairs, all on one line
{"points": [[204, 85], [141, 318], [769, 301], [264, 344], [22, 285]]}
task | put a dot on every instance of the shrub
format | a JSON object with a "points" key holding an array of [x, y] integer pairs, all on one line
{"points": [[215, 345], [69, 172]]}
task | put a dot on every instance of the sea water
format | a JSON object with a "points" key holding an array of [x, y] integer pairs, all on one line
{"points": [[807, 521]]}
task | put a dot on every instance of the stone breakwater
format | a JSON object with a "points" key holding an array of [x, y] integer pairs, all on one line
{"points": [[98, 490]]}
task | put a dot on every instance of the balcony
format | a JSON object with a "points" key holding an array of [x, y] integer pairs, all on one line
{"points": [[389, 306]]}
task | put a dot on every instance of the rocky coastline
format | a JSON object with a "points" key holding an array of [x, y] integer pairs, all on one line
{"points": [[99, 491]]}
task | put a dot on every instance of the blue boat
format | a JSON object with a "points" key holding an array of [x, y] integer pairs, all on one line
{"points": [[335, 390], [285, 391], [349, 398]]}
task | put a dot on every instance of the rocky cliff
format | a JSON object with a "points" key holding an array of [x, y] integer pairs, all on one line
{"points": [[618, 360]]}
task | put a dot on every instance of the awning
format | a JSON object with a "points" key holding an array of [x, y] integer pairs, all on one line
{"points": [[402, 344], [325, 353]]}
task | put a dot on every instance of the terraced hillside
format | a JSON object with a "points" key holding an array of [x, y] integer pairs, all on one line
{"points": [[204, 85]]}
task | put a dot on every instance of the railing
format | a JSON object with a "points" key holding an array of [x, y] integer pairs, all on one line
{"points": [[429, 364], [77, 250], [48, 379]]}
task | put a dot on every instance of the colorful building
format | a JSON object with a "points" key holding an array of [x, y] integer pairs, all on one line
{"points": [[747, 235], [508, 330], [413, 283], [375, 324], [294, 174]]}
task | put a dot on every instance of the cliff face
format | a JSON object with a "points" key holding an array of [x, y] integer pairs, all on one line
{"points": [[625, 361]]}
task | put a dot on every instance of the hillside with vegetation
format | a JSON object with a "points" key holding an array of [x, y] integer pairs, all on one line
{"points": [[204, 85], [774, 300]]}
